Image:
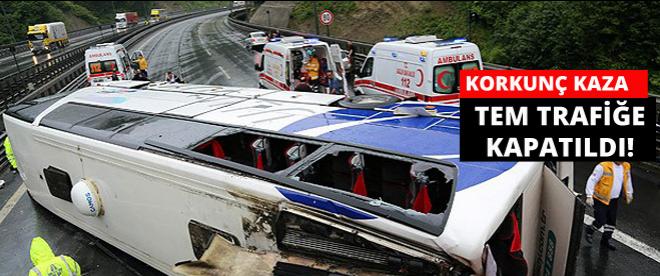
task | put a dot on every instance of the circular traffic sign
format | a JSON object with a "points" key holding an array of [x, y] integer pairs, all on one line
{"points": [[326, 17]]}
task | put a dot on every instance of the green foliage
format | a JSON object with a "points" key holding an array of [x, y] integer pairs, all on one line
{"points": [[77, 10], [552, 35], [305, 10]]}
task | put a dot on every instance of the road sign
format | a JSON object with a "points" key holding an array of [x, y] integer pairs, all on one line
{"points": [[326, 17]]}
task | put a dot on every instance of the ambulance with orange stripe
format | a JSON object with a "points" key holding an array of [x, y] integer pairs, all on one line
{"points": [[283, 61], [106, 60], [425, 68]]}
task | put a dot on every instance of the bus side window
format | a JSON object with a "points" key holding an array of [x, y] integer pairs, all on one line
{"points": [[367, 68]]}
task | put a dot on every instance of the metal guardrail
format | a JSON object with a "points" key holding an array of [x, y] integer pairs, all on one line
{"points": [[238, 19], [361, 49], [65, 73], [21, 46], [23, 85]]}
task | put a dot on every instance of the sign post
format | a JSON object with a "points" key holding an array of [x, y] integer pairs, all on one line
{"points": [[326, 18]]}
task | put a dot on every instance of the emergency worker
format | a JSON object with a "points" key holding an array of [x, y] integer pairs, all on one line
{"points": [[312, 67], [46, 263], [142, 65], [609, 181], [10, 154]]}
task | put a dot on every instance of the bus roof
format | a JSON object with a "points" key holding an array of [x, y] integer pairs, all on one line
{"points": [[485, 191]]}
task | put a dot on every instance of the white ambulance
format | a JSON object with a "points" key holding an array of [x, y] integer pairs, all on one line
{"points": [[282, 62], [425, 68], [106, 60]]}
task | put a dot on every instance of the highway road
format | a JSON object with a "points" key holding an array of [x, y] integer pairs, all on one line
{"points": [[204, 50], [26, 59], [638, 220]]}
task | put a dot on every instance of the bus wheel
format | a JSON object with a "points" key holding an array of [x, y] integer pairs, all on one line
{"points": [[368, 101]]}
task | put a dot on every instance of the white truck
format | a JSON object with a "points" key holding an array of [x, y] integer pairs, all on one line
{"points": [[43, 38], [424, 68], [126, 20], [107, 62]]}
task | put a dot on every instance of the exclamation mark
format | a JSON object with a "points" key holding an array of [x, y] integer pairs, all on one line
{"points": [[630, 147]]}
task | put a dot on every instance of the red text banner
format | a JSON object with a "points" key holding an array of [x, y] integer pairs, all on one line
{"points": [[613, 84]]}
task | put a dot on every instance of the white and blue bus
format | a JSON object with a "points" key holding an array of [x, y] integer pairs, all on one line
{"points": [[191, 178]]}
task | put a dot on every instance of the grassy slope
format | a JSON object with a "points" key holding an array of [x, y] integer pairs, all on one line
{"points": [[537, 35]]}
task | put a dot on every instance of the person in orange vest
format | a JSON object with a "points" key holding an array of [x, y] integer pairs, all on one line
{"points": [[609, 181], [313, 66]]}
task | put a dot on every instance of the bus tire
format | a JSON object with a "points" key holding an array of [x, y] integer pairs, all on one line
{"points": [[368, 101]]}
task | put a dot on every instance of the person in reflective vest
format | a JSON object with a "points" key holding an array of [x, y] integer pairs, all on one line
{"points": [[10, 154], [47, 264], [606, 184]]}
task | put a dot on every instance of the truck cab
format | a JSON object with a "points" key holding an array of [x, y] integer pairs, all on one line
{"points": [[424, 68], [43, 38], [125, 20], [157, 15], [106, 61], [282, 63]]}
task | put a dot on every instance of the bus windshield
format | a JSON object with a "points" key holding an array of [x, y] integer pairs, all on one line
{"points": [[105, 66], [446, 77]]}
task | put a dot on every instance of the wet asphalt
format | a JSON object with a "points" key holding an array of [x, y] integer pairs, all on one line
{"points": [[640, 219], [204, 50], [26, 59]]}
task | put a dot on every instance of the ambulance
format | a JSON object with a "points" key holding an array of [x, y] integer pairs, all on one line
{"points": [[282, 61], [424, 68], [105, 60]]}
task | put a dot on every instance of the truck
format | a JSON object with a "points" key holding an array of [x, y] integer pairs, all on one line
{"points": [[126, 20], [43, 38], [158, 15], [425, 68]]}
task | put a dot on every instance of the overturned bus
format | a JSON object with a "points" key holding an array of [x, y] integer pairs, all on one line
{"points": [[208, 180]]}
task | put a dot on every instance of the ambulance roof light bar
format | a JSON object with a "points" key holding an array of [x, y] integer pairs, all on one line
{"points": [[104, 44], [446, 42], [421, 39], [293, 39]]}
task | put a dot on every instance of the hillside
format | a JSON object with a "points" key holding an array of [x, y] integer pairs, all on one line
{"points": [[17, 15], [535, 35]]}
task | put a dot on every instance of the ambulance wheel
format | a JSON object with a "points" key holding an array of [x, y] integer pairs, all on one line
{"points": [[368, 101]]}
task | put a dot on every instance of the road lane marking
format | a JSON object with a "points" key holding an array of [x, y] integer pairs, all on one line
{"points": [[631, 242], [218, 74], [12, 202], [224, 72]]}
